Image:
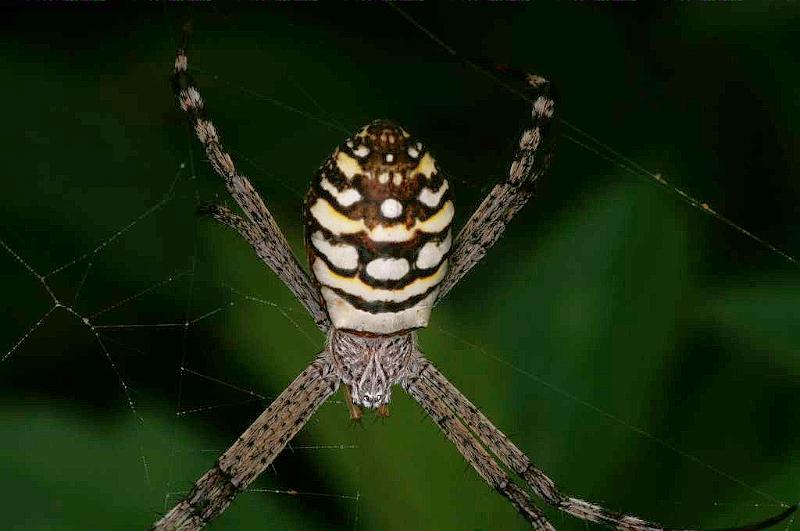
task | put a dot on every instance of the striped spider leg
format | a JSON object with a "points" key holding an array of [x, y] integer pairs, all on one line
{"points": [[475, 437], [268, 435], [506, 198], [438, 406], [254, 450], [260, 229]]}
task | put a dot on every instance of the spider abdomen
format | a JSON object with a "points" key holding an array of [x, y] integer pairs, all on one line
{"points": [[378, 236]]}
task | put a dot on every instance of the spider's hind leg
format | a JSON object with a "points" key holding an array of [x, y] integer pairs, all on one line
{"points": [[470, 446], [501, 447]]}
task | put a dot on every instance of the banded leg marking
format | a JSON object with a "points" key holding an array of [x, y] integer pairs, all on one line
{"points": [[255, 449], [531, 160], [272, 246], [428, 396], [541, 485]]}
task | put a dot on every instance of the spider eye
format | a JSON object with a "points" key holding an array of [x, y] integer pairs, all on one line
{"points": [[370, 399]]}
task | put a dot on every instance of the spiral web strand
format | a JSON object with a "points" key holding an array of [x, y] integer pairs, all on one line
{"points": [[111, 335]]}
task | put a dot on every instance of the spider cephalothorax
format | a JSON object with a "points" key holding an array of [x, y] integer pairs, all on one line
{"points": [[378, 231], [370, 365]]}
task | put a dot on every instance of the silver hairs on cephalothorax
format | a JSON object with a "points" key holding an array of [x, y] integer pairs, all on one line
{"points": [[371, 365]]}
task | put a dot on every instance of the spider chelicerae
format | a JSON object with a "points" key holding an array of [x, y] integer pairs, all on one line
{"points": [[378, 237]]}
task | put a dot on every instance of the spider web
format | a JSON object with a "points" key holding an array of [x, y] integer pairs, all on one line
{"points": [[167, 309], [144, 297]]}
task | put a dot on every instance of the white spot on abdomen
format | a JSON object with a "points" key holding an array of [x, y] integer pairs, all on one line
{"points": [[340, 255], [433, 252], [388, 268], [391, 208], [345, 197], [430, 198]]}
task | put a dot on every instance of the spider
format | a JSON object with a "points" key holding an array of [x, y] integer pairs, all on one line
{"points": [[378, 237]]}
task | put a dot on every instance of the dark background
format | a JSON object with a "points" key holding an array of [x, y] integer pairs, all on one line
{"points": [[643, 353]]}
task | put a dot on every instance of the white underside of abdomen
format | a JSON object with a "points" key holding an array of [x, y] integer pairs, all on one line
{"points": [[345, 316]]}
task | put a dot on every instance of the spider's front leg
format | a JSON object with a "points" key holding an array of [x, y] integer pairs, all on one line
{"points": [[260, 230], [531, 160]]}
